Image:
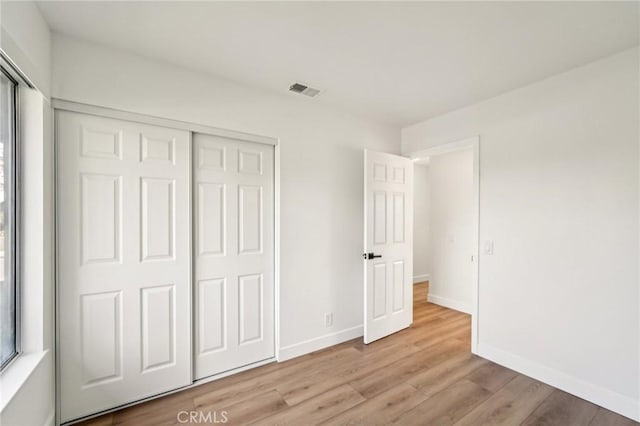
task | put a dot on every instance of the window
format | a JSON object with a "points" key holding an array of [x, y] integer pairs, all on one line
{"points": [[8, 171]]}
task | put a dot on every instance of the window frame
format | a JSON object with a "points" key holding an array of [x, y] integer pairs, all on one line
{"points": [[15, 197]]}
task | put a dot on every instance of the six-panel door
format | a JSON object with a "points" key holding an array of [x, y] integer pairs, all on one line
{"points": [[388, 283], [124, 262], [234, 249]]}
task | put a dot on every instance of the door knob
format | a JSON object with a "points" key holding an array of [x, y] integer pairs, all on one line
{"points": [[370, 256]]}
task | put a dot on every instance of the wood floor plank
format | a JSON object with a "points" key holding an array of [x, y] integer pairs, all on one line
{"points": [[405, 369], [298, 391], [301, 388], [157, 412], [492, 376], [433, 319], [252, 409], [106, 420], [317, 409], [426, 338], [406, 336], [560, 408], [260, 384], [446, 373], [511, 405], [605, 417], [459, 332], [447, 406], [381, 409], [434, 315]]}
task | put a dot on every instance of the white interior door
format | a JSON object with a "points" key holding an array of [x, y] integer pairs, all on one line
{"points": [[388, 243], [124, 262], [234, 246]]}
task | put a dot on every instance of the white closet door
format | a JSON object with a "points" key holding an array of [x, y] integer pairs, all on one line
{"points": [[234, 224], [124, 262]]}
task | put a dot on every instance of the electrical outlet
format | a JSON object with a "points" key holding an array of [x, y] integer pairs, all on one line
{"points": [[328, 319]]}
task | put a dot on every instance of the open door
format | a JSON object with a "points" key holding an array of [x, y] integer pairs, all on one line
{"points": [[388, 244]]}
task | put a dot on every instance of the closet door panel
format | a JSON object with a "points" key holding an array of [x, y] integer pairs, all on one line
{"points": [[123, 260], [234, 253]]}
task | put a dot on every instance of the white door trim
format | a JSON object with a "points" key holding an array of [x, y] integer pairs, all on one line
{"points": [[276, 249], [64, 105], [61, 104], [473, 143]]}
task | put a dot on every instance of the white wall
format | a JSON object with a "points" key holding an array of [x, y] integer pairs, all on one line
{"points": [[559, 192], [26, 39], [421, 226], [27, 385], [321, 171], [451, 222]]}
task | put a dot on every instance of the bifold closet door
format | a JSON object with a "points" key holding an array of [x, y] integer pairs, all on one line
{"points": [[234, 249], [124, 262]]}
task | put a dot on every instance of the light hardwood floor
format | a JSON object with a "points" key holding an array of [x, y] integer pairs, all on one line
{"points": [[424, 375]]}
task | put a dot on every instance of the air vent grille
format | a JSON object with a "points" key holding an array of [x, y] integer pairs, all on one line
{"points": [[304, 89], [298, 88]]}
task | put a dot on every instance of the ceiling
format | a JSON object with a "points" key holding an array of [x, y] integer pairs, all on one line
{"points": [[396, 62]]}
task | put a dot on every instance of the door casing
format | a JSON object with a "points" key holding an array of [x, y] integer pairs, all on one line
{"points": [[472, 142]]}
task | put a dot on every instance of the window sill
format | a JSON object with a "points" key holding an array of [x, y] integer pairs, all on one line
{"points": [[16, 374]]}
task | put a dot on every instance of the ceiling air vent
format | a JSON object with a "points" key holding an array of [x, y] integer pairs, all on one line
{"points": [[304, 89]]}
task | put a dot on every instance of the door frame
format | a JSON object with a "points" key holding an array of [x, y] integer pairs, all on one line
{"points": [[64, 105], [472, 142]]}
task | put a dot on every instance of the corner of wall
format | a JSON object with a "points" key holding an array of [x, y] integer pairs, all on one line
{"points": [[613, 401], [456, 305], [420, 278], [298, 349]]}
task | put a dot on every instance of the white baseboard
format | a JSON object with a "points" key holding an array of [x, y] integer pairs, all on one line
{"points": [[450, 303], [420, 278], [311, 345], [610, 400]]}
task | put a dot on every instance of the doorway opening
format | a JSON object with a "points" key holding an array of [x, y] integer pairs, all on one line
{"points": [[445, 238]]}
